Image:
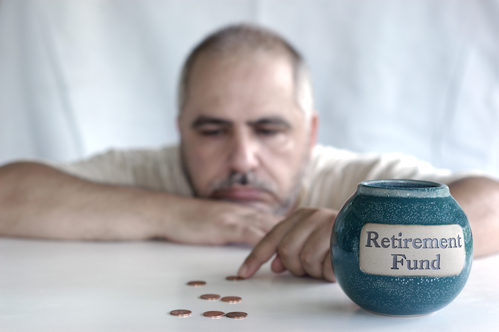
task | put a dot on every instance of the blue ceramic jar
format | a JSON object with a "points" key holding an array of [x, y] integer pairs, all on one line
{"points": [[401, 247]]}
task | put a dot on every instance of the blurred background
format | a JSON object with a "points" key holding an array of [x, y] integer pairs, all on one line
{"points": [[414, 76]]}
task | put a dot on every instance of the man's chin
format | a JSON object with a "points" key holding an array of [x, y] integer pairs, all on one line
{"points": [[260, 200]]}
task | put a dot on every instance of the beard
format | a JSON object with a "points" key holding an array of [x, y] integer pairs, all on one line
{"points": [[283, 206]]}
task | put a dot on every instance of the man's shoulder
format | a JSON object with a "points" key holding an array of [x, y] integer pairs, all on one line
{"points": [[168, 150], [138, 156], [323, 155], [330, 152], [155, 168], [356, 166], [326, 156], [334, 173]]}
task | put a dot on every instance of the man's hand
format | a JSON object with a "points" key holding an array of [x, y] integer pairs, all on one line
{"points": [[301, 243], [201, 221], [479, 198]]}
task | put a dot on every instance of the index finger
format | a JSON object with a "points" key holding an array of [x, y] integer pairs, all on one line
{"points": [[260, 254], [266, 248]]}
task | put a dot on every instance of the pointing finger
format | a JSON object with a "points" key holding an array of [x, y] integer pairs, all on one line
{"points": [[260, 254], [266, 248]]}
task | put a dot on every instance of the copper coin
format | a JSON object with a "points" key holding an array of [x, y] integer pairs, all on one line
{"points": [[181, 313], [210, 297], [213, 314], [234, 278], [231, 299], [236, 315], [196, 283]]}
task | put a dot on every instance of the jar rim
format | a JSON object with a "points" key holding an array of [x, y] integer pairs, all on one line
{"points": [[403, 188]]}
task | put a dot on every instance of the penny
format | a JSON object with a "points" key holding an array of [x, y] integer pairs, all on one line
{"points": [[234, 278], [213, 314], [231, 299], [210, 297], [181, 313], [196, 283], [236, 315]]}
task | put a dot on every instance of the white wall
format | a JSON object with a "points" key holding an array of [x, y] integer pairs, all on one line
{"points": [[414, 76]]}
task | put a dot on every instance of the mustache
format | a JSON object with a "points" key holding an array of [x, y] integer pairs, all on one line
{"points": [[244, 179]]}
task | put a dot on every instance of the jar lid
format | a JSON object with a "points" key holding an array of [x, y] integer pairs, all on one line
{"points": [[403, 188]]}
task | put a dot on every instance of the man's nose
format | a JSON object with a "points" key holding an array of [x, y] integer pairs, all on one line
{"points": [[244, 153]]}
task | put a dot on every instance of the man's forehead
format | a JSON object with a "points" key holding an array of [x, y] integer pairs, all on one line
{"points": [[241, 91], [209, 74]]}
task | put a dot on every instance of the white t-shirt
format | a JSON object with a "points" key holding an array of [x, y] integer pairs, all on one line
{"points": [[331, 178]]}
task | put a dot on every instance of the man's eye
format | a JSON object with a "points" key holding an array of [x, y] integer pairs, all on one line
{"points": [[267, 131], [212, 132]]}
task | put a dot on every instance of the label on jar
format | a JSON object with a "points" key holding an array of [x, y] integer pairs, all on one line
{"points": [[412, 250]]}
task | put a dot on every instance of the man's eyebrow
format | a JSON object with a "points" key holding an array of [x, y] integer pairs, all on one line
{"points": [[209, 120], [275, 120]]}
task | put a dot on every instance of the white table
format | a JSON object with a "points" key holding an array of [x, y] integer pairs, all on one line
{"points": [[76, 286]]}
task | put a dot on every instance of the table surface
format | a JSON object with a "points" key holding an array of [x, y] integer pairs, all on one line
{"points": [[132, 286]]}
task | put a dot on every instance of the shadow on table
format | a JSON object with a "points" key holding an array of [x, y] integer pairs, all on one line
{"points": [[312, 297]]}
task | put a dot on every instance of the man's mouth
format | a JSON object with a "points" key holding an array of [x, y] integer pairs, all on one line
{"points": [[240, 193]]}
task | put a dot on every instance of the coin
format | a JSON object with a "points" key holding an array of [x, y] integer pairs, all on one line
{"points": [[231, 299], [210, 297], [196, 283], [181, 313], [236, 315], [234, 278], [213, 314]]}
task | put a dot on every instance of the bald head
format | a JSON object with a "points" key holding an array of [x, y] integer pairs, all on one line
{"points": [[241, 42]]}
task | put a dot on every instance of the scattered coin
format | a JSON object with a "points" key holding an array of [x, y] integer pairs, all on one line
{"points": [[231, 299], [210, 297], [236, 315], [214, 314], [181, 313], [234, 278]]}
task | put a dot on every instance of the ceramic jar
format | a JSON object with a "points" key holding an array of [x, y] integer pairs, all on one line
{"points": [[401, 247]]}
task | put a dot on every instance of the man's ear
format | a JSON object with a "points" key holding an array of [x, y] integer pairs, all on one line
{"points": [[314, 129]]}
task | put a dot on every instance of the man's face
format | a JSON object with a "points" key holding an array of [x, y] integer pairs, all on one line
{"points": [[243, 137]]}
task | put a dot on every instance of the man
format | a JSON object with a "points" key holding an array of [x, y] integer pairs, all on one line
{"points": [[247, 168]]}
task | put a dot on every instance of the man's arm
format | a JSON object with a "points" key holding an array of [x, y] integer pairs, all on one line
{"points": [[38, 201], [479, 198], [301, 241]]}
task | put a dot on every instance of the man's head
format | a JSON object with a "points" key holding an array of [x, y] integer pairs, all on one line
{"points": [[246, 118]]}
